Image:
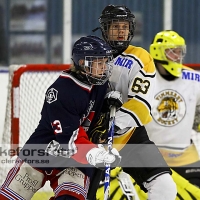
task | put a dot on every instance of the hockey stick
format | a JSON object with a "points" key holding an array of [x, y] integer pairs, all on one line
{"points": [[110, 142]]}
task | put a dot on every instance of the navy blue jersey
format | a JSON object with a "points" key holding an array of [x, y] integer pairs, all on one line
{"points": [[69, 108]]}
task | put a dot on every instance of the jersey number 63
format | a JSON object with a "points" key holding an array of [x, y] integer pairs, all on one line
{"points": [[140, 85]]}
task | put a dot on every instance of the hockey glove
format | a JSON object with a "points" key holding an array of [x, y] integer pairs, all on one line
{"points": [[113, 98], [99, 134], [99, 157]]}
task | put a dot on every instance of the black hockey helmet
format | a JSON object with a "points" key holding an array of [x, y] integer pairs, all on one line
{"points": [[113, 13], [91, 49]]}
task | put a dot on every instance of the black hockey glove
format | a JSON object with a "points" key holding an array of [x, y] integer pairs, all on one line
{"points": [[113, 98], [99, 135]]}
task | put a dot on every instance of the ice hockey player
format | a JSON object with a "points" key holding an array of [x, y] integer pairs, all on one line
{"points": [[60, 150], [176, 96], [134, 78]]}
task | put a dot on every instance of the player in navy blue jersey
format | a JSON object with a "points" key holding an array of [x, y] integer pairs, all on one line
{"points": [[59, 150]]}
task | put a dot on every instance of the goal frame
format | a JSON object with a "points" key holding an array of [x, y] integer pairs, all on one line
{"points": [[195, 66]]}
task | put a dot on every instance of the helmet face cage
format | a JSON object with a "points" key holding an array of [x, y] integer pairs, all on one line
{"points": [[169, 49], [175, 54], [115, 15], [98, 69], [91, 56]]}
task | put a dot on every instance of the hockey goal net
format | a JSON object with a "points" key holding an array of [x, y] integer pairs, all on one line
{"points": [[26, 93], [26, 90]]}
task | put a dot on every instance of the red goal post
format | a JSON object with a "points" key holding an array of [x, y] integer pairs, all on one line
{"points": [[27, 87], [195, 66]]}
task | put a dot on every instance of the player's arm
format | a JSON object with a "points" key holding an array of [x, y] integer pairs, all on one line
{"points": [[65, 115]]}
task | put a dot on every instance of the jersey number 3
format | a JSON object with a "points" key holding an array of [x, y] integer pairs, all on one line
{"points": [[57, 127], [140, 85]]}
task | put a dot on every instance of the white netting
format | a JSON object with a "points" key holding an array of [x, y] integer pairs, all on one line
{"points": [[32, 93], [33, 85]]}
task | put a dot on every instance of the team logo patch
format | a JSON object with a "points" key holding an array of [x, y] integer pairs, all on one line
{"points": [[51, 95], [169, 109]]}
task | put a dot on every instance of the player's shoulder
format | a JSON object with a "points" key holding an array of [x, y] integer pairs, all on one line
{"points": [[138, 52], [142, 57], [184, 67], [67, 87], [69, 80]]}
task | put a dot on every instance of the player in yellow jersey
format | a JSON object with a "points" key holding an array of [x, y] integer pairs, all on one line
{"points": [[134, 78]]}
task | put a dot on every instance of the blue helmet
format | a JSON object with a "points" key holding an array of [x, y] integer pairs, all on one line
{"points": [[91, 51]]}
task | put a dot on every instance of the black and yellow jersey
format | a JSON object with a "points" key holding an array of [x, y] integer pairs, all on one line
{"points": [[134, 76]]}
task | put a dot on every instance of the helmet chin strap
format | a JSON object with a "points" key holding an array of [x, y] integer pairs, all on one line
{"points": [[82, 76]]}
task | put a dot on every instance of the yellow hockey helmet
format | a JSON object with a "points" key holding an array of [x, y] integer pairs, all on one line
{"points": [[168, 48]]}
